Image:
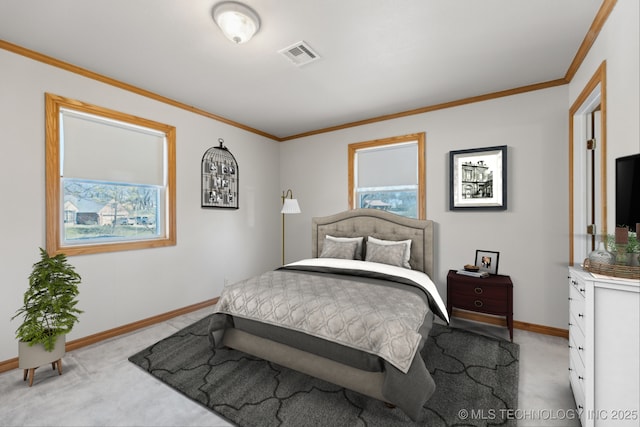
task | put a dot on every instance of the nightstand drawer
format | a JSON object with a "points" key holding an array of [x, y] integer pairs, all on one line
{"points": [[480, 291], [467, 301]]}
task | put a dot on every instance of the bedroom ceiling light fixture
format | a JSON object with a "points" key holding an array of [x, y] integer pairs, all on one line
{"points": [[289, 206], [238, 22]]}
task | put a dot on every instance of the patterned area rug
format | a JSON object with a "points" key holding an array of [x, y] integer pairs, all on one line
{"points": [[476, 383]]}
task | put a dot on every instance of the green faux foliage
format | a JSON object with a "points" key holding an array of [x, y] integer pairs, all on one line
{"points": [[49, 308], [632, 247]]}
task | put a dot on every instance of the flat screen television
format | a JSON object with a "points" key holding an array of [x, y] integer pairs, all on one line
{"points": [[628, 191]]}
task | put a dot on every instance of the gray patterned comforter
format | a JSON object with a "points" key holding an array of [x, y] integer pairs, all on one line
{"points": [[380, 313], [376, 319]]}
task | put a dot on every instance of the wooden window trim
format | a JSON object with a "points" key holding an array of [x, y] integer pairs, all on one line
{"points": [[598, 78], [53, 104], [422, 182]]}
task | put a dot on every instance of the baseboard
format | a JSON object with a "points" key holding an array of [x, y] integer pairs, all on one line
{"points": [[7, 365], [541, 329], [10, 364], [501, 321]]}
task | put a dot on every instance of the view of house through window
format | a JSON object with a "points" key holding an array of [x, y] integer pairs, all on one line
{"points": [[95, 210], [388, 174], [110, 179], [402, 200]]}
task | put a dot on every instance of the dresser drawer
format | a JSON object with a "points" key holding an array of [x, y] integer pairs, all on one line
{"points": [[577, 307], [577, 387], [577, 343], [577, 378], [576, 358], [576, 282]]}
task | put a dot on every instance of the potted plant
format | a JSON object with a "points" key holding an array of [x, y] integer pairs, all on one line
{"points": [[631, 249], [49, 313]]}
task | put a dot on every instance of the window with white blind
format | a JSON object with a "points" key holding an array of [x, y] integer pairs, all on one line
{"points": [[389, 174], [110, 179]]}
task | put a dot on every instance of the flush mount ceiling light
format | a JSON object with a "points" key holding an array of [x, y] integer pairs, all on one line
{"points": [[238, 22]]}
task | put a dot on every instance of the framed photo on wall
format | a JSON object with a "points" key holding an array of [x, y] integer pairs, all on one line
{"points": [[219, 188], [487, 261], [478, 178]]}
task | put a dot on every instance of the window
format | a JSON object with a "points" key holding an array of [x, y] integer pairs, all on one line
{"points": [[110, 179], [389, 174]]}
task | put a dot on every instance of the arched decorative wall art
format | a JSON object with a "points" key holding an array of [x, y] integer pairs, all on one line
{"points": [[219, 178]]}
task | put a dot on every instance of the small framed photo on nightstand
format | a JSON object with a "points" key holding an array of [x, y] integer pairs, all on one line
{"points": [[487, 261]]}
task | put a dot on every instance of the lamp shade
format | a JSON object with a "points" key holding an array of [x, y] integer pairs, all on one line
{"points": [[290, 206], [238, 22]]}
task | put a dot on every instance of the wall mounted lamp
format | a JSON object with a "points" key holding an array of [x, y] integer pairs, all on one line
{"points": [[289, 206], [238, 22]]}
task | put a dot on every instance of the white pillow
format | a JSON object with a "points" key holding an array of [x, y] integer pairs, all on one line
{"points": [[359, 240], [406, 243]]}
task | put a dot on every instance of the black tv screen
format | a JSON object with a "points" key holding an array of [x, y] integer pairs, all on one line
{"points": [[628, 191]]}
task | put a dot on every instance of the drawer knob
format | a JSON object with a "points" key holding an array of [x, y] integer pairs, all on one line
{"points": [[478, 290], [580, 378], [580, 315], [579, 406], [580, 348], [570, 346], [570, 324], [581, 289], [478, 303]]}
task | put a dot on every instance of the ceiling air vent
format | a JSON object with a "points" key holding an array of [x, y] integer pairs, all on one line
{"points": [[299, 53]]}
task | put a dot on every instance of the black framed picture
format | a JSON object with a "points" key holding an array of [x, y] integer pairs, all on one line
{"points": [[219, 178], [487, 261], [478, 178]]}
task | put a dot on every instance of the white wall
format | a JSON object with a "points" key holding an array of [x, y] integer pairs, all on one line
{"points": [[530, 235], [123, 287], [619, 45], [120, 288]]}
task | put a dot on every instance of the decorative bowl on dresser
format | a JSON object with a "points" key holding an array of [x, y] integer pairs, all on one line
{"points": [[604, 348]]}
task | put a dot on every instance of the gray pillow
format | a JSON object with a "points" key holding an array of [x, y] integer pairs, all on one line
{"points": [[385, 254], [359, 240], [342, 250], [405, 243]]}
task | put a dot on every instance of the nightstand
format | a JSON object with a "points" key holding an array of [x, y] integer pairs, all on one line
{"points": [[489, 295]]}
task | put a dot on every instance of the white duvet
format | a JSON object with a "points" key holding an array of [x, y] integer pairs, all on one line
{"points": [[418, 277]]}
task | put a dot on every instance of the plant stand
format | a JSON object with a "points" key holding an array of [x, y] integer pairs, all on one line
{"points": [[31, 358], [31, 372]]}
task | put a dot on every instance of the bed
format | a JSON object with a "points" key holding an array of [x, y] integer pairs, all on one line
{"points": [[356, 314]]}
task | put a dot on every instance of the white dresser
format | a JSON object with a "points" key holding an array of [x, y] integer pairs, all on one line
{"points": [[604, 342]]}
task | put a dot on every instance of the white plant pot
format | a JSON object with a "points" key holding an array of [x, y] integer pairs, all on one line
{"points": [[30, 357]]}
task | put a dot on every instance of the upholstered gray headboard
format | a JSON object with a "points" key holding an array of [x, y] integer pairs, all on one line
{"points": [[379, 224]]}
